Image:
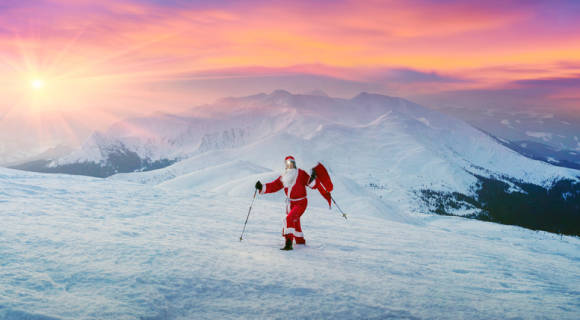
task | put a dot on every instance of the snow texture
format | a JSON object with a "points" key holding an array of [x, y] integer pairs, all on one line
{"points": [[85, 248]]}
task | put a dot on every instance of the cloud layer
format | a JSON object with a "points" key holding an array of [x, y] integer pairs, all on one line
{"points": [[130, 56]]}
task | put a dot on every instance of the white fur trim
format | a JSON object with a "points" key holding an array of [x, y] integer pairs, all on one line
{"points": [[294, 232]]}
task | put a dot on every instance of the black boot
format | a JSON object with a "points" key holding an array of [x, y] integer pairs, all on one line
{"points": [[288, 245]]}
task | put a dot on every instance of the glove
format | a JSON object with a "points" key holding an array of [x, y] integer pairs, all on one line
{"points": [[312, 176], [259, 185]]}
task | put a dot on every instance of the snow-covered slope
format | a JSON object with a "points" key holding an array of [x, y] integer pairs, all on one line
{"points": [[78, 248], [377, 147]]}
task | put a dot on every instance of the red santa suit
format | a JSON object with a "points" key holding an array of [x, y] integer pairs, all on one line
{"points": [[294, 182]]}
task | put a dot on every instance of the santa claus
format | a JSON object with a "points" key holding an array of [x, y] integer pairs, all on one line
{"points": [[294, 182]]}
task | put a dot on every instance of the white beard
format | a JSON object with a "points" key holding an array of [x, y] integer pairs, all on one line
{"points": [[289, 177]]}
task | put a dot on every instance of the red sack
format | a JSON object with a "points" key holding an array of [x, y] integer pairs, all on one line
{"points": [[323, 182]]}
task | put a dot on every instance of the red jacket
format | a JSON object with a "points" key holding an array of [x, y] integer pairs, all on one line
{"points": [[296, 186]]}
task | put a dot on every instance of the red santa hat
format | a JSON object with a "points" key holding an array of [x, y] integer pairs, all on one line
{"points": [[290, 159]]}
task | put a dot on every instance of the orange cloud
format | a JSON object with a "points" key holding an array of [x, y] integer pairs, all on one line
{"points": [[98, 50]]}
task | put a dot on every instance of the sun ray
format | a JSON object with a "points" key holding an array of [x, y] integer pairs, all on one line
{"points": [[25, 55], [66, 126], [57, 61], [121, 53]]}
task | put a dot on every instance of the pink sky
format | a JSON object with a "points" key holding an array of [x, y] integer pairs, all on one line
{"points": [[108, 59]]}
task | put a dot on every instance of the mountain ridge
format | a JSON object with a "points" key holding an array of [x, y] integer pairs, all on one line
{"points": [[396, 152]]}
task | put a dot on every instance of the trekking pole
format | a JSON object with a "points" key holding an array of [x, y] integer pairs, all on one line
{"points": [[249, 210], [336, 204]]}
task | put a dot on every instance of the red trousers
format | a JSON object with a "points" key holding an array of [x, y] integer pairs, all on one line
{"points": [[293, 230]]}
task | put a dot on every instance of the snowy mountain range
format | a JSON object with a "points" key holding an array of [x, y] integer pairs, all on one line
{"points": [[387, 151], [538, 134], [164, 243]]}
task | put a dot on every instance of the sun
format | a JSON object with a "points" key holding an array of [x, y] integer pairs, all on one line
{"points": [[37, 84]]}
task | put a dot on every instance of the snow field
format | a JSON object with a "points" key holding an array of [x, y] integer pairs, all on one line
{"points": [[82, 248]]}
